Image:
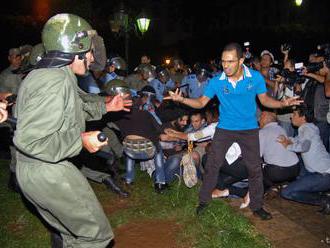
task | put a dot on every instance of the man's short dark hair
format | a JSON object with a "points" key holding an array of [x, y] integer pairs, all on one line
{"points": [[234, 46], [305, 111]]}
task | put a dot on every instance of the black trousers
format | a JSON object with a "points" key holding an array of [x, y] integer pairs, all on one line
{"points": [[230, 174], [248, 141], [276, 174]]}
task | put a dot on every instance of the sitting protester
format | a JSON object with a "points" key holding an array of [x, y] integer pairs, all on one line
{"points": [[141, 140], [314, 178], [280, 164]]}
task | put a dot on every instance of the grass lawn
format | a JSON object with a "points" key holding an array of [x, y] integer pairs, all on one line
{"points": [[219, 226]]}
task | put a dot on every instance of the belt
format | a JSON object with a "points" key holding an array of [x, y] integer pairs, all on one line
{"points": [[139, 148]]}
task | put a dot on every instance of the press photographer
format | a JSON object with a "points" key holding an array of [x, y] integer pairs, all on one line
{"points": [[314, 92]]}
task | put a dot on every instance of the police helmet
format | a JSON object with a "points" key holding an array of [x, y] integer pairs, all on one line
{"points": [[162, 74], [147, 71], [147, 91], [64, 36], [203, 72], [116, 86], [119, 64]]}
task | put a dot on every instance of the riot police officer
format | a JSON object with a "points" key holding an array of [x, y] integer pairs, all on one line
{"points": [[162, 83], [197, 81], [51, 129]]}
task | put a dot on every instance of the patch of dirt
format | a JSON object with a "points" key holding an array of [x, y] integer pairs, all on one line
{"points": [[114, 204], [293, 224], [15, 227], [147, 234]]}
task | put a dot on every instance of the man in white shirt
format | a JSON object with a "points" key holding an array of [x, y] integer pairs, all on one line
{"points": [[314, 177]]}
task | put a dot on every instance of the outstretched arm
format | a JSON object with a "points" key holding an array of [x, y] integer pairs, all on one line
{"points": [[269, 102], [197, 103]]}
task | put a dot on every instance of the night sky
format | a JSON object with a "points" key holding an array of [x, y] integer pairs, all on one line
{"points": [[192, 31]]}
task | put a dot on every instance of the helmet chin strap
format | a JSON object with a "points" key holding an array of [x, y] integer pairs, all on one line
{"points": [[83, 57]]}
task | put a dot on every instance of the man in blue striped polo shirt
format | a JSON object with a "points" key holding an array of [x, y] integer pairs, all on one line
{"points": [[236, 88]]}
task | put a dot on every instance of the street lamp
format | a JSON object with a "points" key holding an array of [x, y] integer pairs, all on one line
{"points": [[122, 24]]}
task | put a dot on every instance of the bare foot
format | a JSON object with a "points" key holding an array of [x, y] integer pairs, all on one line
{"points": [[216, 193], [246, 201]]}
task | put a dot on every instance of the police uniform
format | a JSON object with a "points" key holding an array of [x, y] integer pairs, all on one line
{"points": [[195, 88], [45, 141], [161, 88], [50, 119]]}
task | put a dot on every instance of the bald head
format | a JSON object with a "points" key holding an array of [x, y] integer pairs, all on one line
{"points": [[267, 117]]}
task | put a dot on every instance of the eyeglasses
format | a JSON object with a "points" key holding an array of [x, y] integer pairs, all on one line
{"points": [[229, 61]]}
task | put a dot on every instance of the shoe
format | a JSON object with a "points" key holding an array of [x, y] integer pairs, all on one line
{"points": [[325, 206], [115, 188], [201, 207], [246, 201], [56, 240], [262, 214], [125, 183], [160, 188]]}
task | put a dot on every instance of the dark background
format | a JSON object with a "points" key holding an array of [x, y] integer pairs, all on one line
{"points": [[192, 31]]}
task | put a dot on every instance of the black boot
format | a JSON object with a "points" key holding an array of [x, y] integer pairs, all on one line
{"points": [[160, 188], [56, 240], [12, 183], [110, 183], [113, 168]]}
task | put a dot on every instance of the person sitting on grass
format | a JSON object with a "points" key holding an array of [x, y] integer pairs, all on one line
{"points": [[314, 178]]}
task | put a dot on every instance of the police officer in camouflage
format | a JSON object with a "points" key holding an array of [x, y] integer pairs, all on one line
{"points": [[51, 129]]}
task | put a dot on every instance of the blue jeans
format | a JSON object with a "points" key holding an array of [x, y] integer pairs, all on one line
{"points": [[306, 189], [159, 167], [172, 167]]}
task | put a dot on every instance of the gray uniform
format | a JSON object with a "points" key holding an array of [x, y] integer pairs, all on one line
{"points": [[51, 116]]}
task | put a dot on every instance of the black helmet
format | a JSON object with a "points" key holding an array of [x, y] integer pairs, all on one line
{"points": [[203, 72], [147, 90], [162, 74]]}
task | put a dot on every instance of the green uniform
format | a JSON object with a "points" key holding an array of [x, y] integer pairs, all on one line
{"points": [[51, 116], [9, 81]]}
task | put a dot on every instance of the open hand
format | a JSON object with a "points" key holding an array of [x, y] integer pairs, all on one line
{"points": [[175, 96], [119, 103], [284, 140], [291, 101]]}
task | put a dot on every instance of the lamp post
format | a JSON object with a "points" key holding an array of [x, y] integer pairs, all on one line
{"points": [[122, 24]]}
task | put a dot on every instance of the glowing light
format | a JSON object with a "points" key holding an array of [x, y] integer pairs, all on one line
{"points": [[299, 2], [167, 61], [143, 22], [41, 9]]}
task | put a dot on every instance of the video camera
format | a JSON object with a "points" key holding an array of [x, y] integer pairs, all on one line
{"points": [[314, 67], [291, 77]]}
